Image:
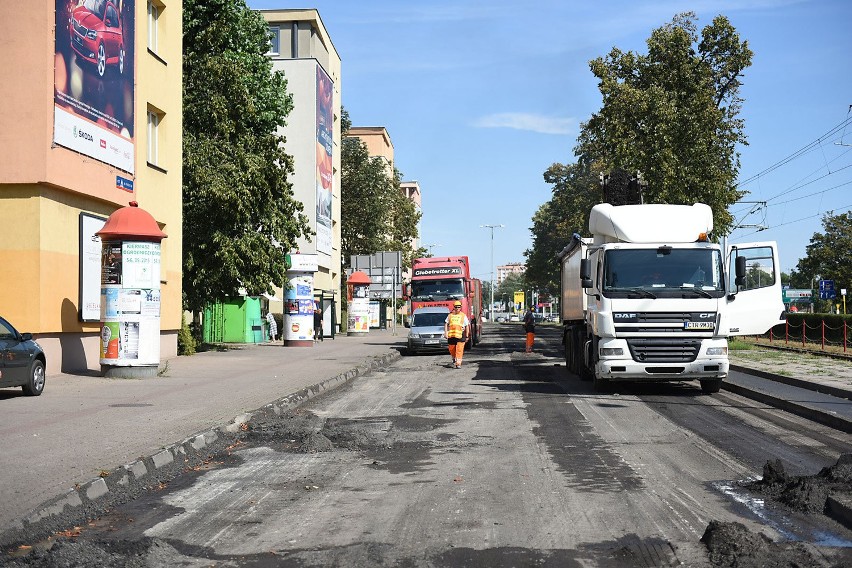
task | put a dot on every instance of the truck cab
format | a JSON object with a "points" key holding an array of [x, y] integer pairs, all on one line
{"points": [[650, 298]]}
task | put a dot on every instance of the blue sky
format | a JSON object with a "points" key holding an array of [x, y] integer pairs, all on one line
{"points": [[480, 98]]}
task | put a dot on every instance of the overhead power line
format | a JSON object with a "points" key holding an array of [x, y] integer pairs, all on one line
{"points": [[832, 133]]}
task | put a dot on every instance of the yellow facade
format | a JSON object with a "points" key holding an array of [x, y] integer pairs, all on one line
{"points": [[45, 185]]}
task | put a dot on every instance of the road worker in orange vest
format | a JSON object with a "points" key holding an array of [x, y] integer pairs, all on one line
{"points": [[457, 330]]}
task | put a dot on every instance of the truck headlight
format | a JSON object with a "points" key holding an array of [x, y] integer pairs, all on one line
{"points": [[611, 351], [717, 350]]}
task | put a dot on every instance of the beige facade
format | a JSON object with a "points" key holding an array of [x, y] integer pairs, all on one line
{"points": [[511, 268], [46, 186], [303, 51], [378, 142]]}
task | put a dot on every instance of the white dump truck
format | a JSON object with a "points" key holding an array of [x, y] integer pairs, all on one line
{"points": [[650, 298]]}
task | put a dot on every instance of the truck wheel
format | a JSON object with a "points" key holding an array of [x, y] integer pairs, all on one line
{"points": [[710, 386]]}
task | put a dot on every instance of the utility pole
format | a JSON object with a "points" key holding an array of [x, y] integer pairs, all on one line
{"points": [[491, 304]]}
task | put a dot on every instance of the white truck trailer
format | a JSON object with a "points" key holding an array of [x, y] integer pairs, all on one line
{"points": [[649, 298]]}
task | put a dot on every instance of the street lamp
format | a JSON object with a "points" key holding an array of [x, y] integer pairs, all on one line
{"points": [[430, 247], [491, 305]]}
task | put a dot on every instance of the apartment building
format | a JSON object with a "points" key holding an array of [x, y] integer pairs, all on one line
{"points": [[91, 121], [511, 268], [302, 49]]}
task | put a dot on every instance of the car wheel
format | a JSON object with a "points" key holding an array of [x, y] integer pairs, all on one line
{"points": [[101, 60], [35, 382], [121, 60]]}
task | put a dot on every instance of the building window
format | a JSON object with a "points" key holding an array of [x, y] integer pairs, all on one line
{"points": [[153, 24], [274, 40], [154, 119]]}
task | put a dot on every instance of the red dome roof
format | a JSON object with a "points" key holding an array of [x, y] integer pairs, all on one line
{"points": [[358, 277], [131, 223]]}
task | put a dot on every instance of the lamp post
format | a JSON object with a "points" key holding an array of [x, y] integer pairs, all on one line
{"points": [[430, 247], [491, 305]]}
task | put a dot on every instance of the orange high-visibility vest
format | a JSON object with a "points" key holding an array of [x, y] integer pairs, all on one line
{"points": [[456, 325]]}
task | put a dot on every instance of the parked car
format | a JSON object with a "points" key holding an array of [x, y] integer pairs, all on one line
{"points": [[22, 360], [426, 331], [514, 317], [97, 35]]}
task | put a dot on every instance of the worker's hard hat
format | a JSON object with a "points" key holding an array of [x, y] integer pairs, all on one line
{"points": [[457, 303]]}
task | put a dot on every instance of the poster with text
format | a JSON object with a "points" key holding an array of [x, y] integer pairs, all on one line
{"points": [[325, 146], [94, 79]]}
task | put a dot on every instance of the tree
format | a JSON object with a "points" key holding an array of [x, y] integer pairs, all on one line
{"points": [[575, 191], [375, 215], [239, 214], [513, 282], [673, 115], [828, 254]]}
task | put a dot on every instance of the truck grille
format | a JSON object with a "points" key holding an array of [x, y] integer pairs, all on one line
{"points": [[664, 350], [665, 322]]}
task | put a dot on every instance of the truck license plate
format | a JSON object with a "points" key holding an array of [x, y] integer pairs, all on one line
{"points": [[699, 325]]}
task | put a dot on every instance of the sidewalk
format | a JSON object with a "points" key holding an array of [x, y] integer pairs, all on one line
{"points": [[68, 441]]}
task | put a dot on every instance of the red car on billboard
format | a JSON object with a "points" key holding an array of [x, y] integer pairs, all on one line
{"points": [[97, 35]]}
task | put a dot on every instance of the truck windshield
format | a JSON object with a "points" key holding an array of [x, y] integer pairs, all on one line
{"points": [[663, 271], [449, 289]]}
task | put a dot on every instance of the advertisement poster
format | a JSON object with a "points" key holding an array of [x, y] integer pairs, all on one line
{"points": [[325, 144], [299, 307], [130, 303], [141, 264], [111, 265], [94, 71], [90, 267]]}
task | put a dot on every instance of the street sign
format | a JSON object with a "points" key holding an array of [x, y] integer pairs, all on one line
{"points": [[793, 295], [826, 290]]}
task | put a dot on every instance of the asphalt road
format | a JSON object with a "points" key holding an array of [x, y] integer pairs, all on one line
{"points": [[508, 461]]}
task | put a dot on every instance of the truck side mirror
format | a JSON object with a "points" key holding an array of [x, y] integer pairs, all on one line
{"points": [[741, 271], [586, 273]]}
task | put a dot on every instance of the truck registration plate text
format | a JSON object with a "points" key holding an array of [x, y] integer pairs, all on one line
{"points": [[699, 325]]}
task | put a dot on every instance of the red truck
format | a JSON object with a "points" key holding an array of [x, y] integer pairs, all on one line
{"points": [[440, 281]]}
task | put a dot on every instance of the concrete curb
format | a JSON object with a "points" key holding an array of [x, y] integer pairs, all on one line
{"points": [[824, 389], [824, 418], [127, 481], [840, 509]]}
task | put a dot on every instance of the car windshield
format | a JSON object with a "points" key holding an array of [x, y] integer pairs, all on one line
{"points": [[449, 289], [663, 271], [6, 331], [428, 319], [96, 7]]}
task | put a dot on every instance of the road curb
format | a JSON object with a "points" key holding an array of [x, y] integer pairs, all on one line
{"points": [[126, 482], [824, 418], [803, 384]]}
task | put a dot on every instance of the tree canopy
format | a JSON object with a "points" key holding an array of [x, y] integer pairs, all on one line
{"points": [[575, 192], [239, 214], [375, 215], [672, 114], [828, 254]]}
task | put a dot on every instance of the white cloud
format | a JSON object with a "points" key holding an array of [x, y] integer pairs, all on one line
{"points": [[526, 121]]}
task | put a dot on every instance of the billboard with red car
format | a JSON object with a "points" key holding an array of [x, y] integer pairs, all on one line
{"points": [[94, 79]]}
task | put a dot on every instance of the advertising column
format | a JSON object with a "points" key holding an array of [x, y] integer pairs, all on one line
{"points": [[299, 301], [130, 294], [357, 287]]}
